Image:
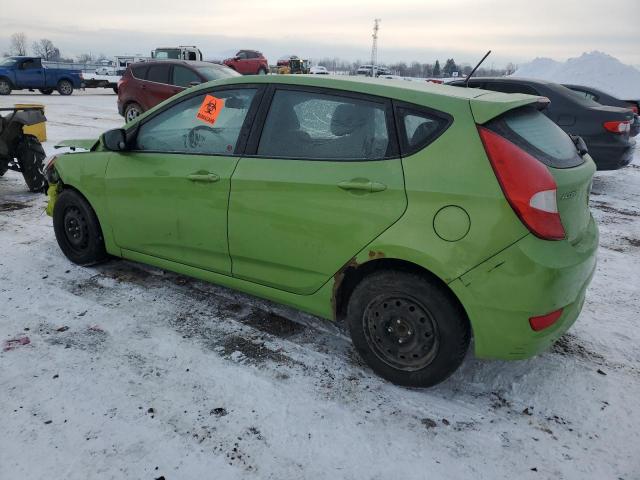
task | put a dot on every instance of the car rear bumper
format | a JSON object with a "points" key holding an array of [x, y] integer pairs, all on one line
{"points": [[611, 155], [530, 278]]}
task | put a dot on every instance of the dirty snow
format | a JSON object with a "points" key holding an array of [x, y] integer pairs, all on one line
{"points": [[133, 372], [594, 69]]}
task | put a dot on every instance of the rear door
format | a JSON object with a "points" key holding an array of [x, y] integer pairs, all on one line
{"points": [[157, 86], [324, 179], [168, 195]]}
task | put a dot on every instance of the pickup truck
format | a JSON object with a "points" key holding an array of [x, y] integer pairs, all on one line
{"points": [[17, 73]]}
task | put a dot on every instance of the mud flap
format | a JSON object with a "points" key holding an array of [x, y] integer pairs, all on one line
{"points": [[53, 191]]}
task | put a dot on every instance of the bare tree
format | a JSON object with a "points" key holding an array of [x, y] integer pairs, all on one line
{"points": [[18, 44], [85, 58], [46, 49]]}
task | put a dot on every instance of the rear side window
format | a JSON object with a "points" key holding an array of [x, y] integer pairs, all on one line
{"points": [[419, 128], [140, 71], [540, 137], [319, 126], [159, 73]]}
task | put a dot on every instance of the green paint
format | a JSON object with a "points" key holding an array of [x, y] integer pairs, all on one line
{"points": [[284, 229]]}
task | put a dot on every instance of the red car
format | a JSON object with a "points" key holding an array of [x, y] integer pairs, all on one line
{"points": [[146, 84], [248, 62]]}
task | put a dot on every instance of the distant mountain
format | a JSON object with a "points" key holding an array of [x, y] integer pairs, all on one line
{"points": [[594, 69]]}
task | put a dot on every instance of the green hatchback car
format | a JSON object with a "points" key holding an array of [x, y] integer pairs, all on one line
{"points": [[420, 215]]}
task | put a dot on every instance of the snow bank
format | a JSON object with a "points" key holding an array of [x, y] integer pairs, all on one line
{"points": [[594, 69]]}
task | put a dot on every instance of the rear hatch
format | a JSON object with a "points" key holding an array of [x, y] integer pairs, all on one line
{"points": [[531, 135]]}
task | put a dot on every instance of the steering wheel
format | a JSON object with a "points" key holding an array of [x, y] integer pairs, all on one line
{"points": [[195, 139]]}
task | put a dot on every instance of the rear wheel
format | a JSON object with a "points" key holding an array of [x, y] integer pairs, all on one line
{"points": [[131, 111], [407, 328], [5, 86], [30, 156], [77, 229], [262, 71], [65, 87], [46, 91]]}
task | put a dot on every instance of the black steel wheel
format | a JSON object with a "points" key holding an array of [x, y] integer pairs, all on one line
{"points": [[401, 332], [77, 229], [408, 328]]}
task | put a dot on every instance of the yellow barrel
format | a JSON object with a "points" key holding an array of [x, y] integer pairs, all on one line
{"points": [[39, 129]]}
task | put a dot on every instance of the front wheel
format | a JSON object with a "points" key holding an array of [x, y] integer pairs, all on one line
{"points": [[30, 156], [407, 328], [5, 87], [65, 87], [46, 91], [77, 229]]}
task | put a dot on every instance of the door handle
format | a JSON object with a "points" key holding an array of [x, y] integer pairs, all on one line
{"points": [[366, 186], [203, 177]]}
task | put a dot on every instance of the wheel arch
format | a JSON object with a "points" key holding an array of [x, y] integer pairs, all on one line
{"points": [[346, 280], [4, 77]]}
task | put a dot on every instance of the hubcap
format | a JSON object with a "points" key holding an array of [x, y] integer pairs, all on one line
{"points": [[132, 113], [75, 229], [4, 86], [401, 332], [65, 87]]}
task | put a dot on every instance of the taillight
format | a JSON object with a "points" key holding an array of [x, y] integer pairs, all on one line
{"points": [[634, 108], [544, 321], [527, 184], [617, 126]]}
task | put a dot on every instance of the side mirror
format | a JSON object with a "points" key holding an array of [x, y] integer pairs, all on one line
{"points": [[115, 140], [194, 83]]}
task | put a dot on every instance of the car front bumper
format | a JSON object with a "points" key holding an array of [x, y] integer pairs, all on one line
{"points": [[530, 278]]}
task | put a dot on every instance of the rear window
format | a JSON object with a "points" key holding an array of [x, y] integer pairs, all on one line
{"points": [[216, 72], [536, 134]]}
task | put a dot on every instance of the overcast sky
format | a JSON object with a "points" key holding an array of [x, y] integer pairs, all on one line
{"points": [[423, 30]]}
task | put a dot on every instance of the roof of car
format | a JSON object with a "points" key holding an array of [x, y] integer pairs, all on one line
{"points": [[536, 81], [193, 63]]}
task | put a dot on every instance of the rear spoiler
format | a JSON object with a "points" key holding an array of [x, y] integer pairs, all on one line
{"points": [[490, 105]]}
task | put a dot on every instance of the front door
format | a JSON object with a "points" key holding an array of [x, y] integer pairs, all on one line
{"points": [[324, 181], [31, 74], [168, 196]]}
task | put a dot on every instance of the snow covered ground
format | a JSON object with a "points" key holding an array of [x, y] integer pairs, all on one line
{"points": [[133, 372]]}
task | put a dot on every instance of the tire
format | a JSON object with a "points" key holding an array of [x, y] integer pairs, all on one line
{"points": [[30, 156], [262, 71], [131, 111], [5, 86], [407, 328], [46, 91], [65, 87], [3, 169], [77, 229]]}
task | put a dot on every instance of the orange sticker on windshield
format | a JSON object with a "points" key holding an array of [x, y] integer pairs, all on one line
{"points": [[210, 109]]}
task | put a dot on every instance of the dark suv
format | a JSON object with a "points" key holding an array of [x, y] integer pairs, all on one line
{"points": [[604, 129], [146, 84], [248, 62]]}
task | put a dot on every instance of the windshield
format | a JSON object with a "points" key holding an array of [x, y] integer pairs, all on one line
{"points": [[216, 72], [168, 53], [7, 62]]}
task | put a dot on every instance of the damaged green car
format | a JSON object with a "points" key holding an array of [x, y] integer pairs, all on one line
{"points": [[420, 215]]}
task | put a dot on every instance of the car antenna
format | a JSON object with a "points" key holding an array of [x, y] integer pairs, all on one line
{"points": [[466, 80]]}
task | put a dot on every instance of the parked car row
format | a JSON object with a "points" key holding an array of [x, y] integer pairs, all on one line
{"points": [[607, 129]]}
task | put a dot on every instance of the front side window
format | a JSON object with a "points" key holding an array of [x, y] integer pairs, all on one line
{"points": [[184, 129], [31, 64], [310, 125], [183, 77]]}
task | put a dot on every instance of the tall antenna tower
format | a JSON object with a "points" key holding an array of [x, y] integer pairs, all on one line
{"points": [[374, 46]]}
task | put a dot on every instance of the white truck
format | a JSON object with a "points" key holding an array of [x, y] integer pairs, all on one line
{"points": [[183, 52]]}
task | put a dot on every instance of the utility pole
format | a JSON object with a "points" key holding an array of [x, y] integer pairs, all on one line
{"points": [[374, 46]]}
